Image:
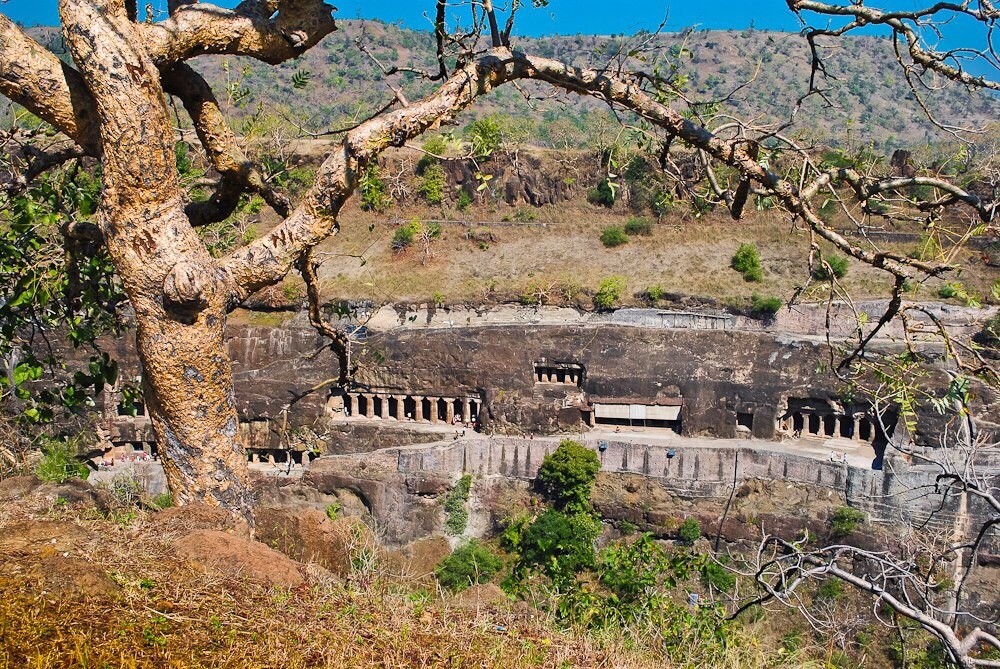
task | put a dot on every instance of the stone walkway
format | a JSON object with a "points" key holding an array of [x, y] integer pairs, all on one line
{"points": [[856, 454]]}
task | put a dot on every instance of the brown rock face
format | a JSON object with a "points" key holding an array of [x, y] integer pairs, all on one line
{"points": [[34, 494], [17, 487], [69, 576], [183, 519], [418, 558], [224, 553], [42, 537], [309, 536]]}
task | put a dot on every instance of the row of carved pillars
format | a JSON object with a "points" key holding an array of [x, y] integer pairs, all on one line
{"points": [[279, 456], [857, 427], [554, 375], [419, 408]]}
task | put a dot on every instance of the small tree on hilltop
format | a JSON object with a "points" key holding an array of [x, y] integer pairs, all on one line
{"points": [[567, 475]]}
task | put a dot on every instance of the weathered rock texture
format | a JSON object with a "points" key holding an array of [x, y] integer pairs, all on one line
{"points": [[715, 365]]}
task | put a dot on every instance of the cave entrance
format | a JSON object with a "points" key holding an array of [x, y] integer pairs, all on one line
{"points": [[814, 424], [664, 416]]}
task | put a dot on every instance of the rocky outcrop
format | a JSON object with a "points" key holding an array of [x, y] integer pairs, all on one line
{"points": [[221, 552], [309, 535]]}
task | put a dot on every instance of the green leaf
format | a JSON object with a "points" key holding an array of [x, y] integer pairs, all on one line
{"points": [[301, 79]]}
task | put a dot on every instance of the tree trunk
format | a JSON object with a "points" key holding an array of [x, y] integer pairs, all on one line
{"points": [[188, 385], [179, 293]]}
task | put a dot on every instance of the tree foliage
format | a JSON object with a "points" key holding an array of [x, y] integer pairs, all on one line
{"points": [[471, 563], [567, 475], [54, 277]]}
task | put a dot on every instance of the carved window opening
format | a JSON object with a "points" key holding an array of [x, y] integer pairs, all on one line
{"points": [[559, 373]]}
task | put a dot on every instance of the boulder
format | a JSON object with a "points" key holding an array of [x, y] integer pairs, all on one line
{"points": [[229, 554], [308, 535], [42, 537], [190, 517]]}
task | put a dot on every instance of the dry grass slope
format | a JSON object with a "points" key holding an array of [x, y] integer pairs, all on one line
{"points": [[163, 612]]}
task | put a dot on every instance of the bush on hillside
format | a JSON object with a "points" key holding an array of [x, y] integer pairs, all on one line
{"points": [[471, 563], [609, 291], [639, 226], [837, 265], [746, 261], [613, 236]]}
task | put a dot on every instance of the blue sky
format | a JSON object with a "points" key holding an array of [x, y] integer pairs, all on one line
{"points": [[571, 16], [561, 16]]}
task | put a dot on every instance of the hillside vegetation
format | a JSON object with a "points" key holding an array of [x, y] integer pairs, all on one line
{"points": [[336, 84]]}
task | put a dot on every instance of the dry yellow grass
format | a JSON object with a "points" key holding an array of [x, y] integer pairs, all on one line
{"points": [[559, 254], [167, 614]]}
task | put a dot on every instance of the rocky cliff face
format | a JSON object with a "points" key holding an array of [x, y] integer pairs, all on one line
{"points": [[727, 378]]}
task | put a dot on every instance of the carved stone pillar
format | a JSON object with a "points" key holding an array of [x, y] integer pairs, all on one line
{"points": [[434, 409], [370, 406], [449, 412], [400, 407], [466, 410], [418, 408]]}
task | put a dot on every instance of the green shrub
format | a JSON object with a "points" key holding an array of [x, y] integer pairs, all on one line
{"points": [[837, 263], [524, 215], [639, 226], [956, 290], [655, 293], [59, 462], [559, 545], [613, 236], [632, 570], [827, 210], [830, 590], [928, 249], [437, 146], [689, 531], [405, 234], [567, 475], [746, 261], [602, 195], [470, 563], [432, 184], [374, 195], [716, 576], [765, 305], [464, 200], [845, 520], [950, 290], [456, 515], [486, 135], [163, 501], [661, 203], [609, 291]]}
